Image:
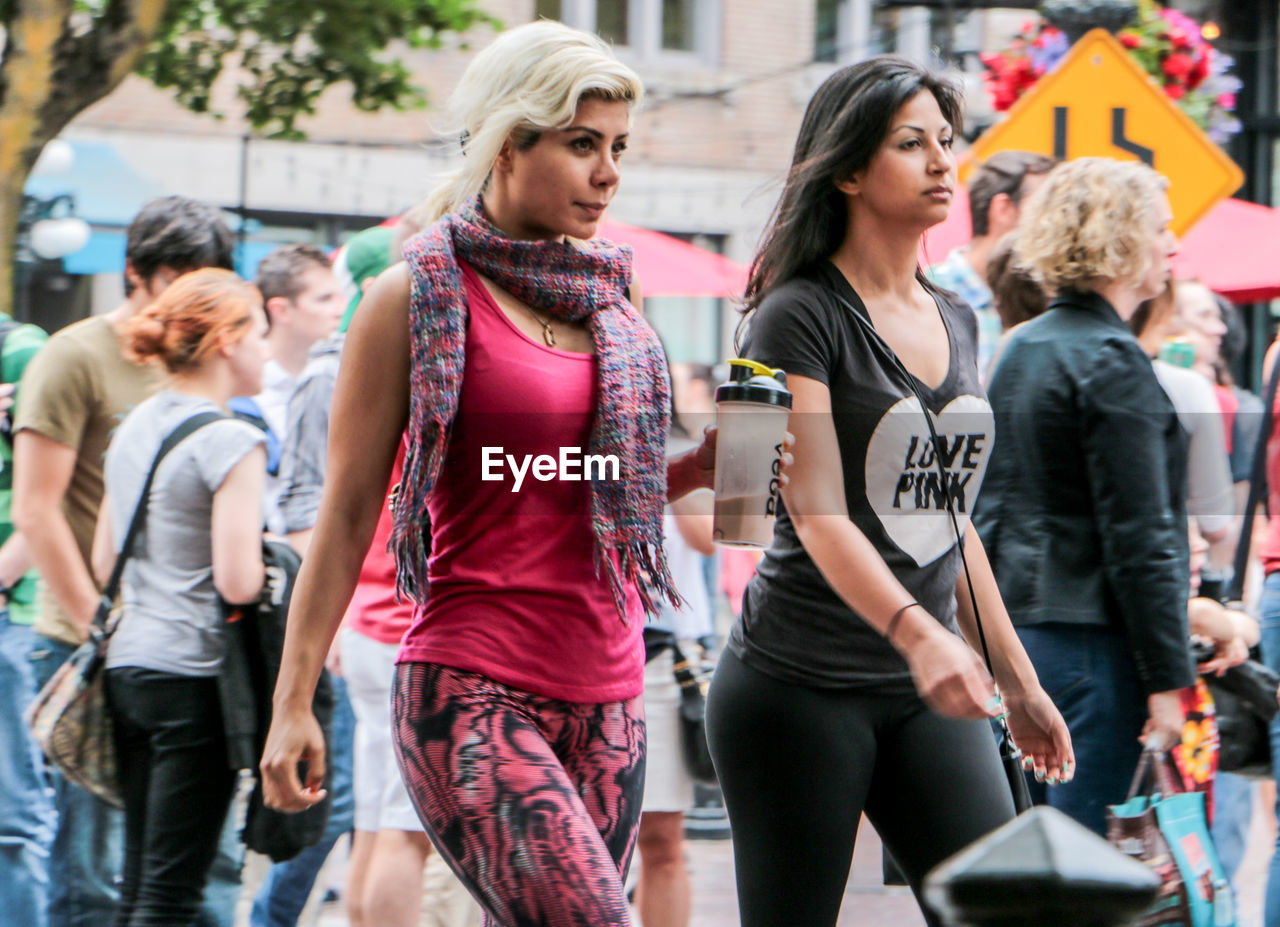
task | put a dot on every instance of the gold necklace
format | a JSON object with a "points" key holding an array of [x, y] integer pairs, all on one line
{"points": [[548, 335]]}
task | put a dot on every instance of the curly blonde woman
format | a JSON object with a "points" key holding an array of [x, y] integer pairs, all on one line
{"points": [[1083, 514]]}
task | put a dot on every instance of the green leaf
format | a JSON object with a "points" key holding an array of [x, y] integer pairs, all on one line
{"points": [[291, 52]]}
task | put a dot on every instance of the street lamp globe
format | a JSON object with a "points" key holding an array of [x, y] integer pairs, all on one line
{"points": [[56, 158], [56, 238]]}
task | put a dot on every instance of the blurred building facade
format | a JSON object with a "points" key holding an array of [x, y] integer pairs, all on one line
{"points": [[727, 82]]}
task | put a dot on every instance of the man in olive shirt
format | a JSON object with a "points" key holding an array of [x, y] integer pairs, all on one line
{"points": [[74, 393]]}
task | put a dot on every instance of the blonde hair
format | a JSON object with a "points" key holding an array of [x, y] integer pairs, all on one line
{"points": [[1089, 222], [529, 79]]}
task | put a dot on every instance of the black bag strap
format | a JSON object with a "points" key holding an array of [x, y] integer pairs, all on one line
{"points": [[937, 459], [1257, 488], [172, 440], [1010, 754]]}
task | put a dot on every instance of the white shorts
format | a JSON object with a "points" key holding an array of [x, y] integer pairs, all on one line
{"points": [[667, 783], [382, 802]]}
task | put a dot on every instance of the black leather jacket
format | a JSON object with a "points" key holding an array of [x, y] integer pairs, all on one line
{"points": [[1083, 511]]}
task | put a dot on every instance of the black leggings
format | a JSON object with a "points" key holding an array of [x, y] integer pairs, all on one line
{"points": [[799, 765]]}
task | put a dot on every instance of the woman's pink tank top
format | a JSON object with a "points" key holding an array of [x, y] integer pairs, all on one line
{"points": [[514, 591]]}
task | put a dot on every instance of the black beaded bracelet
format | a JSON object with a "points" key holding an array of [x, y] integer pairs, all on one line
{"points": [[893, 622]]}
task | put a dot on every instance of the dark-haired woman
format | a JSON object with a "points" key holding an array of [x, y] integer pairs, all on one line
{"points": [[202, 540], [847, 686]]}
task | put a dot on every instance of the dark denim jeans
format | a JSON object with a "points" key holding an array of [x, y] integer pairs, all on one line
{"points": [[26, 805], [1089, 673], [1270, 611], [85, 859], [1232, 815], [288, 885], [177, 787]]}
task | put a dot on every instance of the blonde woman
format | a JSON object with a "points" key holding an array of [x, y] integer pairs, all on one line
{"points": [[1084, 510], [517, 716]]}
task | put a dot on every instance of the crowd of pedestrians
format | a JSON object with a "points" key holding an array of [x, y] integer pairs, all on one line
{"points": [[1012, 485]]}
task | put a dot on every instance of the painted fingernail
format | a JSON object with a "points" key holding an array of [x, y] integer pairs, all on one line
{"points": [[1028, 763], [1039, 775], [1002, 716], [1053, 778], [994, 703]]}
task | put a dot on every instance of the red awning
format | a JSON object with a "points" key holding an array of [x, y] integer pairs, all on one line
{"points": [[667, 266], [1232, 249]]}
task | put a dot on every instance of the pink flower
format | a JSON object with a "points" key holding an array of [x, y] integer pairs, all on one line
{"points": [[1227, 101]]}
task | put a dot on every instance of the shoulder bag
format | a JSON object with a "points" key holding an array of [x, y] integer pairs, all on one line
{"points": [[70, 718], [1165, 828]]}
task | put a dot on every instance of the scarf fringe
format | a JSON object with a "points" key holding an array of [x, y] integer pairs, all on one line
{"points": [[410, 540], [644, 565]]}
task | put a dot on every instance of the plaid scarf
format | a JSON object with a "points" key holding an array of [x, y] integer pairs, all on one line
{"points": [[572, 282]]}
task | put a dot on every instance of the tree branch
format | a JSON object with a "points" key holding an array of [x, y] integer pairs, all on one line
{"points": [[91, 65]]}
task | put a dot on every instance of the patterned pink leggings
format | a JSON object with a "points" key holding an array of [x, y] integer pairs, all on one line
{"points": [[533, 802]]}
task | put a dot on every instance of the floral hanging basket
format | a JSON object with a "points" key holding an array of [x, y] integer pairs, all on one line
{"points": [[1166, 43]]}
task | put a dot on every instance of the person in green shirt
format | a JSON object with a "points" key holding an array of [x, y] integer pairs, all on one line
{"points": [[26, 813]]}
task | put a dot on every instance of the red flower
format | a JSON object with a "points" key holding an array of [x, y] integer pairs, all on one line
{"points": [[1200, 70], [1179, 39], [1177, 67], [1130, 39], [1175, 91]]}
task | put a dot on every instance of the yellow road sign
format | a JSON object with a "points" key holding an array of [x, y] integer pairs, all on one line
{"points": [[1099, 102]]}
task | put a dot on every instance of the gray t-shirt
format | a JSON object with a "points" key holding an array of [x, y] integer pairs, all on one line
{"points": [[1210, 494], [306, 442], [171, 620], [794, 626]]}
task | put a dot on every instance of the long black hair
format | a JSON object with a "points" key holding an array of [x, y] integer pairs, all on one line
{"points": [[845, 122]]}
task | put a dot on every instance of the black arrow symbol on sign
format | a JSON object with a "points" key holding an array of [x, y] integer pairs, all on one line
{"points": [[1060, 133], [1146, 155]]}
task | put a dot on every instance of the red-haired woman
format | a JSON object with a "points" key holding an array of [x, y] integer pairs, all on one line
{"points": [[202, 540]]}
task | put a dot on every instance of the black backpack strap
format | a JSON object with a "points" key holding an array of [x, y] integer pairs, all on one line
{"points": [[1257, 487], [172, 440]]}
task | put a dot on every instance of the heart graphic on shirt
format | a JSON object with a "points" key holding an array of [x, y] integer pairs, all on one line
{"points": [[904, 486]]}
